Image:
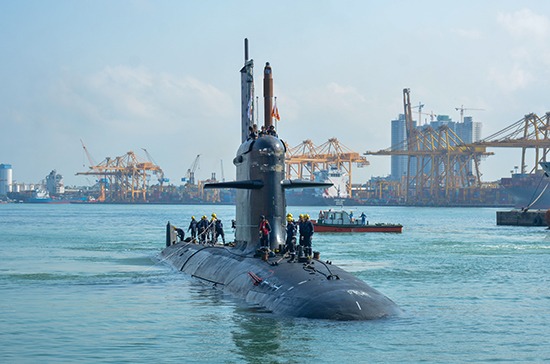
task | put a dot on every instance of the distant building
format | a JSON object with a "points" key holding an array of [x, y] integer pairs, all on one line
{"points": [[468, 131], [5, 179], [399, 142], [54, 183]]}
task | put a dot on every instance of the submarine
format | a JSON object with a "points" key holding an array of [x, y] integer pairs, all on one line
{"points": [[271, 279]]}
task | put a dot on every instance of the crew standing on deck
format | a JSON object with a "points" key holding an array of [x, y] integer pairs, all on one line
{"points": [[265, 230], [203, 227], [299, 226], [193, 228], [306, 232], [212, 229], [219, 231], [290, 234]]}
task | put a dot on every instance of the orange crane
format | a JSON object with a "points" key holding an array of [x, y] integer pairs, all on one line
{"points": [[306, 158], [123, 178]]}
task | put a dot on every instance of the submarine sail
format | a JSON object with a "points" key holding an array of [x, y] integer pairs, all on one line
{"points": [[268, 277]]}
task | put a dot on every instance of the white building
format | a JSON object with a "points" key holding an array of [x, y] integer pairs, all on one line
{"points": [[6, 178]]}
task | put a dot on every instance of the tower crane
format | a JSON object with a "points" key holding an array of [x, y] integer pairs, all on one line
{"points": [[419, 107], [462, 108]]}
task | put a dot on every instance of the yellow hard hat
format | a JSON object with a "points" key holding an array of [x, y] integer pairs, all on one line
{"points": [[289, 215], [306, 216], [301, 215], [193, 217], [203, 216], [289, 218], [213, 215]]}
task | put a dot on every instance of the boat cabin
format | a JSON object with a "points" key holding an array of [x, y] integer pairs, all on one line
{"points": [[340, 217]]}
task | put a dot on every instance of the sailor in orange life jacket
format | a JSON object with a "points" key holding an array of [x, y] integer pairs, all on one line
{"points": [[265, 229]]}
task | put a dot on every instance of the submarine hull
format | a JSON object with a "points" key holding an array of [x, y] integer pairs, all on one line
{"points": [[311, 289]]}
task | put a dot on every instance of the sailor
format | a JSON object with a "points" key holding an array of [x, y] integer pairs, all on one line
{"points": [[262, 132], [193, 228], [252, 135], [306, 232], [299, 226], [290, 234], [203, 226], [271, 131], [265, 229], [180, 232], [363, 218], [219, 230], [212, 229]]}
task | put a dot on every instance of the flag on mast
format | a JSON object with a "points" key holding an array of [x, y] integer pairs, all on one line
{"points": [[275, 111]]}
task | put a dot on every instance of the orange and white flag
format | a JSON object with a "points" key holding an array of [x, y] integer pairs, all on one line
{"points": [[275, 112]]}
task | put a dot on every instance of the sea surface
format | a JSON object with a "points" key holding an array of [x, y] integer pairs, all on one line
{"points": [[82, 284]]}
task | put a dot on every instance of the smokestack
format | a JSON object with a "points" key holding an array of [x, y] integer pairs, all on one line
{"points": [[245, 50], [268, 95]]}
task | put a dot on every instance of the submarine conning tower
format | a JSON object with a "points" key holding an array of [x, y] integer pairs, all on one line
{"points": [[260, 164], [261, 160]]}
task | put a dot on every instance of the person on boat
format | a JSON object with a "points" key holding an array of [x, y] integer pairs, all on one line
{"points": [[351, 216], [252, 135], [363, 218], [271, 131], [262, 132], [321, 216], [219, 231], [193, 228], [265, 230], [299, 225], [203, 227], [306, 231], [290, 234], [180, 232], [212, 229]]}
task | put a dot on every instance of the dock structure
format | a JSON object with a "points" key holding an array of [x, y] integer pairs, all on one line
{"points": [[523, 218]]}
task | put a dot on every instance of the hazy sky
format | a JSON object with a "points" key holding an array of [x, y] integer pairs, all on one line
{"points": [[164, 75]]}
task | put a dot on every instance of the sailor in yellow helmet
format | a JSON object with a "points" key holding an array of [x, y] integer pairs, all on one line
{"points": [[290, 242], [193, 227], [203, 226], [306, 232], [212, 229]]}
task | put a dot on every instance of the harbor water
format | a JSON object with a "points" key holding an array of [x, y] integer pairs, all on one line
{"points": [[82, 283]]}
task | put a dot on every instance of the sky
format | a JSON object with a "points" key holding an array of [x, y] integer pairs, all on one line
{"points": [[129, 75]]}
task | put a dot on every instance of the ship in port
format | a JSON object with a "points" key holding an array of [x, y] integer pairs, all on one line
{"points": [[335, 195], [528, 190]]}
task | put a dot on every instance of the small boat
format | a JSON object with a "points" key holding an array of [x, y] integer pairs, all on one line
{"points": [[342, 222]]}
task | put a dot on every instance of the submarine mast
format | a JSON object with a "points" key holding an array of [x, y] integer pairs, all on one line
{"points": [[247, 94], [268, 96]]}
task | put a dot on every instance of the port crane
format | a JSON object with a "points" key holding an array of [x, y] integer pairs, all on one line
{"points": [[190, 175], [530, 132], [303, 160], [123, 178], [439, 163]]}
